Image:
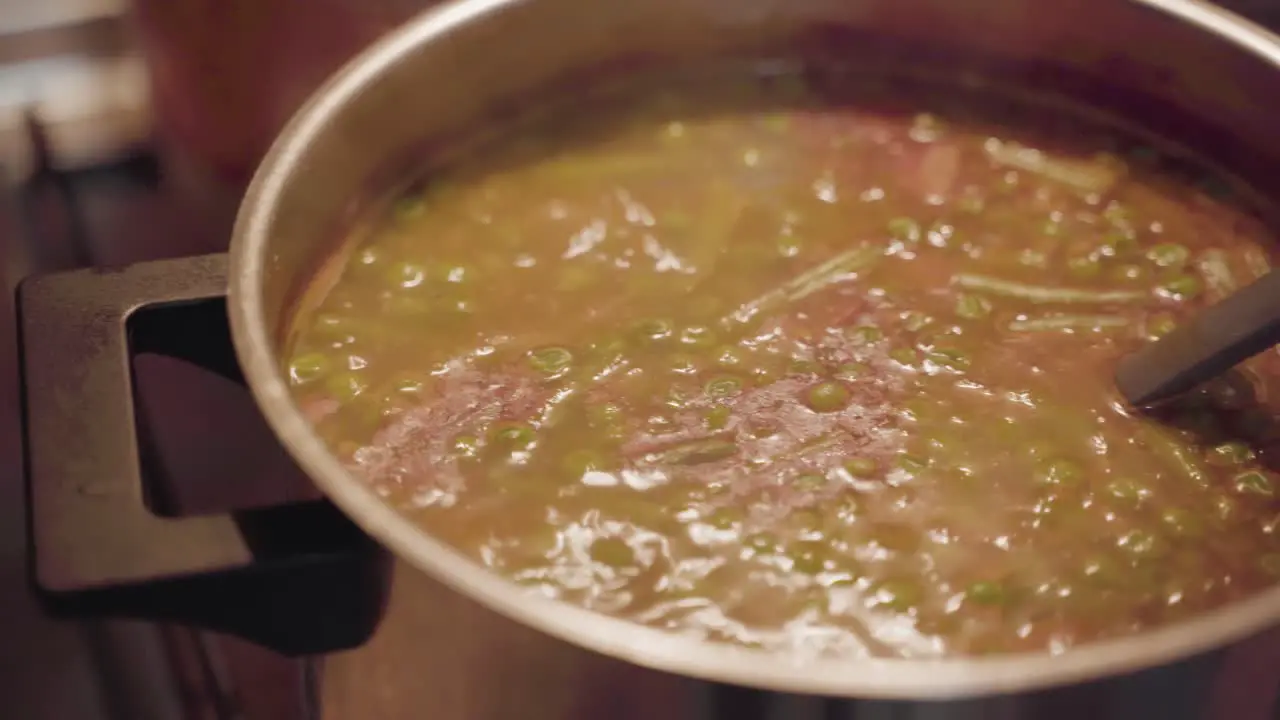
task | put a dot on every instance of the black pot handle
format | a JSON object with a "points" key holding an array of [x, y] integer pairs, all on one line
{"points": [[299, 579]]}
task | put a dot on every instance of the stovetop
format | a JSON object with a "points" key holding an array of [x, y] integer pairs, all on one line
{"points": [[115, 670]]}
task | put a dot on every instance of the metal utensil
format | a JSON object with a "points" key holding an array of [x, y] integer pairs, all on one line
{"points": [[1235, 329]]}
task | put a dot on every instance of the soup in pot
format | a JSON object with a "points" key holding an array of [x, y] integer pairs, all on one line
{"points": [[807, 362]]}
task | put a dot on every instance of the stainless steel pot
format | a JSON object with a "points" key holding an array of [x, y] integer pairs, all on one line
{"points": [[1179, 67]]}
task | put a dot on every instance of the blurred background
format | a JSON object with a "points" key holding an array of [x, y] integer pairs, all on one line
{"points": [[127, 129]]}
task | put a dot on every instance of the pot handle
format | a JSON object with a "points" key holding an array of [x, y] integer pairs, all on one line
{"points": [[299, 579]]}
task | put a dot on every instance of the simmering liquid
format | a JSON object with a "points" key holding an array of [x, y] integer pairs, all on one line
{"points": [[807, 363]]}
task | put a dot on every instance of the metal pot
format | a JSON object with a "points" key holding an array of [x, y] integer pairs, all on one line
{"points": [[1181, 68]]}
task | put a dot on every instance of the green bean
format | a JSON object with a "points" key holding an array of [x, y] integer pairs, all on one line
{"points": [[972, 307], [1182, 287], [1093, 176], [1044, 294], [307, 368], [1172, 451], [813, 280], [1231, 453], [1254, 483], [1058, 323], [1169, 255], [986, 592], [696, 452]]}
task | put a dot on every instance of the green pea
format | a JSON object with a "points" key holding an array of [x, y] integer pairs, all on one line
{"points": [[345, 386], [1182, 523], [809, 557], [582, 461], [466, 446], [809, 482], [904, 229], [1254, 483], [613, 552], [912, 463], [603, 415], [676, 220], [898, 595], [1062, 473], [986, 592], [861, 467], [1084, 267], [1225, 509], [1160, 325], [654, 330], [1119, 243], [718, 417], [803, 366], [865, 335], [409, 207], [904, 356], [789, 246], [1127, 490], [407, 385], [514, 436], [776, 122], [365, 258], [1230, 453], [682, 364], [576, 277], [697, 336], [1169, 255], [723, 387], [725, 518], [973, 307], [763, 543], [1141, 544], [828, 397], [1270, 564], [729, 357], [1182, 287], [1129, 273], [915, 321], [308, 368], [950, 358], [551, 361], [848, 372], [406, 275]]}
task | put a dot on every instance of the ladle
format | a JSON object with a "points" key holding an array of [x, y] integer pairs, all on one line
{"points": [[1240, 326]]}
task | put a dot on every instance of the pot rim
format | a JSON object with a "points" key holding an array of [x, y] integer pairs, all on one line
{"points": [[874, 678]]}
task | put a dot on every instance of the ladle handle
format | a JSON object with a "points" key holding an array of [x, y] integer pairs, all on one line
{"points": [[299, 579], [1240, 326]]}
